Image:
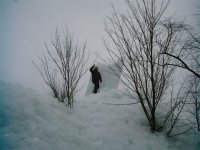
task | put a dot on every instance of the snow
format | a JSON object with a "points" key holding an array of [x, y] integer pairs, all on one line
{"points": [[29, 120]]}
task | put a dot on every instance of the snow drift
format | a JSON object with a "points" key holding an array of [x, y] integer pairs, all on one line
{"points": [[29, 120]]}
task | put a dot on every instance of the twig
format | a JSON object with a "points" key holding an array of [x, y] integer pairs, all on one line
{"points": [[120, 104]]}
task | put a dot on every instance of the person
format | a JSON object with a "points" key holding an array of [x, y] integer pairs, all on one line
{"points": [[96, 77]]}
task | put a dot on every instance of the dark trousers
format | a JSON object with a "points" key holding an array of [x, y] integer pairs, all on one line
{"points": [[96, 87]]}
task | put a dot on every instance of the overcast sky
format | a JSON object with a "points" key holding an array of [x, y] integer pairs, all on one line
{"points": [[26, 24]]}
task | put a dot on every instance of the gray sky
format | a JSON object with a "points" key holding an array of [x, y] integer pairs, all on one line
{"points": [[26, 24]]}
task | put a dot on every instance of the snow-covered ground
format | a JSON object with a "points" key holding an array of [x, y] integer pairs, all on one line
{"points": [[31, 121]]}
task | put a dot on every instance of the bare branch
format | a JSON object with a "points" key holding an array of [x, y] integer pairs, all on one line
{"points": [[69, 61]]}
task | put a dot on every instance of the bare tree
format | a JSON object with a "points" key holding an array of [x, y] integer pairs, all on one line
{"points": [[62, 66], [188, 58], [189, 55], [175, 122], [193, 104], [138, 38]]}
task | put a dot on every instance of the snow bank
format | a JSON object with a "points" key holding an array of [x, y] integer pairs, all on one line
{"points": [[32, 121]]}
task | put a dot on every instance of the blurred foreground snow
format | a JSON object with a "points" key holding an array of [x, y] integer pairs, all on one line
{"points": [[32, 121]]}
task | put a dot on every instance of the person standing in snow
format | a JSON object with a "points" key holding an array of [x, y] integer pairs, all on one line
{"points": [[96, 77]]}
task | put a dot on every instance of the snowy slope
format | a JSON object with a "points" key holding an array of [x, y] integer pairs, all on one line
{"points": [[30, 121]]}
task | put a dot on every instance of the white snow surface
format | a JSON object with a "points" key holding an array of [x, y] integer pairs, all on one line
{"points": [[31, 121]]}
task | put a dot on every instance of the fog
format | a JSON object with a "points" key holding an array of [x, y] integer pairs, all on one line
{"points": [[27, 24]]}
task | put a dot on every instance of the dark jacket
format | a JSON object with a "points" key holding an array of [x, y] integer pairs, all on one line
{"points": [[96, 76]]}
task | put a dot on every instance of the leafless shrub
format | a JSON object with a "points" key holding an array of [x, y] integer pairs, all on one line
{"points": [[188, 58], [193, 103], [62, 66], [138, 38], [175, 122]]}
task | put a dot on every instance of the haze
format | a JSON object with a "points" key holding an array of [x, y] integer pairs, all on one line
{"points": [[27, 24]]}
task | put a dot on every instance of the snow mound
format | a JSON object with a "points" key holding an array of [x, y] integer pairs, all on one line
{"points": [[32, 121]]}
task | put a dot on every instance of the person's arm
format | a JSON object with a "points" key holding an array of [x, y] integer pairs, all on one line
{"points": [[91, 69]]}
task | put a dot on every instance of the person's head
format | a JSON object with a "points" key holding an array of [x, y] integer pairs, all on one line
{"points": [[96, 68]]}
